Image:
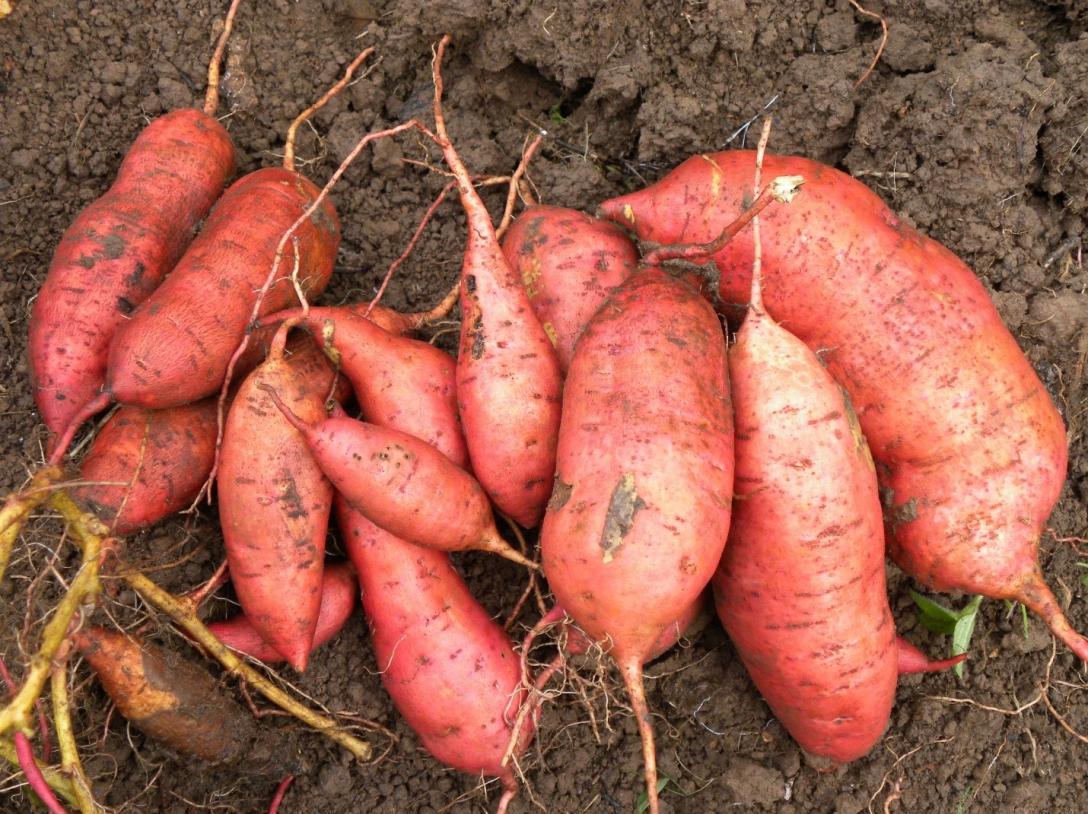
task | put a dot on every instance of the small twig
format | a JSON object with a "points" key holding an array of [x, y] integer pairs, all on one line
{"points": [[69, 752], [883, 40]]}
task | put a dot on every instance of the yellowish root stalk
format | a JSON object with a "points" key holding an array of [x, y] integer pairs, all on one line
{"points": [[19, 505], [71, 766]]}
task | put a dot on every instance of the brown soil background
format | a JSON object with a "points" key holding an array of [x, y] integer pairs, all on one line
{"points": [[973, 126]]}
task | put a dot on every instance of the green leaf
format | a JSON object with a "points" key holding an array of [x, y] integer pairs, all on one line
{"points": [[935, 617], [965, 627], [643, 801]]}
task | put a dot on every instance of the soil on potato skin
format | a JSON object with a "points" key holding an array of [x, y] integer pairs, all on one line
{"points": [[972, 126]]}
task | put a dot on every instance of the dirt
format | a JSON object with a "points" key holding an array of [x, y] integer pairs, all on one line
{"points": [[972, 126]]}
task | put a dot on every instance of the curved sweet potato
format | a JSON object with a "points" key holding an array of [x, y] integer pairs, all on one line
{"points": [[640, 509], [176, 346], [970, 449], [449, 668], [568, 263]]}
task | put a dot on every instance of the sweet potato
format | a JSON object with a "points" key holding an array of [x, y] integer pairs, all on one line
{"points": [[398, 382], [508, 378], [970, 449], [568, 263], [167, 697], [177, 344], [449, 668], [800, 588], [338, 590], [145, 465], [274, 502], [402, 484], [118, 250], [640, 509]]}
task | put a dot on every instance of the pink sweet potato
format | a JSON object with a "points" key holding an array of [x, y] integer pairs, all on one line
{"points": [[508, 378], [118, 249], [338, 590], [402, 484], [970, 449], [640, 509], [800, 588], [449, 668], [568, 263], [145, 465], [398, 382], [274, 502]]}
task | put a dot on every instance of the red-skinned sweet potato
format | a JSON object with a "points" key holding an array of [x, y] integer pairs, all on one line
{"points": [[338, 591], [274, 501], [568, 263], [398, 382], [970, 450], [449, 668], [640, 509], [176, 347], [118, 249], [800, 588], [402, 484], [508, 378], [145, 465]]}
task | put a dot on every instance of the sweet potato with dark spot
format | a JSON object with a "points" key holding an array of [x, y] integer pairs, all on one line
{"points": [[274, 502], [641, 505], [172, 700], [971, 451]]}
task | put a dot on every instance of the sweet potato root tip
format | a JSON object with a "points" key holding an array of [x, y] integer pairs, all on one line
{"points": [[288, 413], [64, 440], [1037, 597], [211, 94], [912, 660], [631, 670]]}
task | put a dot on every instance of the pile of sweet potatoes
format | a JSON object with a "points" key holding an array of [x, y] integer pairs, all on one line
{"points": [[870, 401]]}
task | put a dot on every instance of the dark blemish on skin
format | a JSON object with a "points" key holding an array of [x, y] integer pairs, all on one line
{"points": [[124, 306], [86, 262], [622, 507], [903, 513], [114, 246], [477, 338], [470, 284], [136, 277], [292, 500], [561, 493]]}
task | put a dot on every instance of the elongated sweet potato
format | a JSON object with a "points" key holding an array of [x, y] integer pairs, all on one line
{"points": [[274, 502], [568, 263], [800, 588], [145, 465], [508, 378], [118, 249], [640, 509], [970, 450], [338, 590], [403, 484], [167, 697], [449, 668]]}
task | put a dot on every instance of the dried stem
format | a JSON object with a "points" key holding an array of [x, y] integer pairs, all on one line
{"points": [[184, 618], [69, 752], [515, 180], [211, 95], [883, 40], [18, 507], [92, 535]]}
